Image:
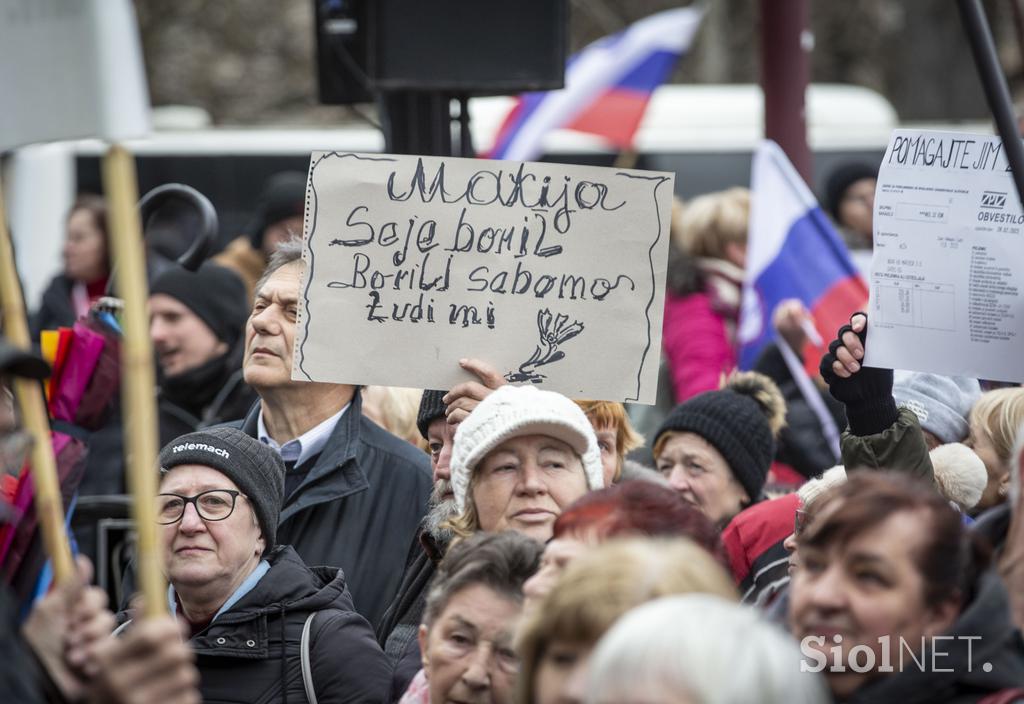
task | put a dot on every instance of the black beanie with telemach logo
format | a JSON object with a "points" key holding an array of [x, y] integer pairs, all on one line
{"points": [[255, 468]]}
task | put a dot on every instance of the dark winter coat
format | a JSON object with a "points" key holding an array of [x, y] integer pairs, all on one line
{"points": [[55, 309], [802, 443], [210, 394], [399, 627], [994, 525], [251, 652], [358, 508], [998, 643]]}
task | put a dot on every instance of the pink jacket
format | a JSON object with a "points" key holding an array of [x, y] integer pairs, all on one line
{"points": [[696, 344]]}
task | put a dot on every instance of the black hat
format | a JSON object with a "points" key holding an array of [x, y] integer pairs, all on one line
{"points": [[431, 408], [217, 295], [255, 468], [283, 196], [738, 422], [842, 178], [17, 362]]}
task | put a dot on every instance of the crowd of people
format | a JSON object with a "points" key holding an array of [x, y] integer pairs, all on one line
{"points": [[493, 543]]}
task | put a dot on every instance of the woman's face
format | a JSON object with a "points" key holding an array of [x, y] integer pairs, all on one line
{"points": [[467, 652], [998, 470], [867, 594], [557, 555], [85, 248], [608, 443], [562, 673], [525, 483], [702, 477], [857, 206]]}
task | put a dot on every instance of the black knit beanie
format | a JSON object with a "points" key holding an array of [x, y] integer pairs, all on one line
{"points": [[736, 426], [283, 196], [431, 408], [255, 468], [842, 178], [217, 295]]}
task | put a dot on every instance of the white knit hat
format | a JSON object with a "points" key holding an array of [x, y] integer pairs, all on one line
{"points": [[960, 474], [513, 411], [813, 489]]}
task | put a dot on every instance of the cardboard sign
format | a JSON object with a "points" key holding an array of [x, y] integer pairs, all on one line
{"points": [[554, 274], [70, 69], [948, 272]]}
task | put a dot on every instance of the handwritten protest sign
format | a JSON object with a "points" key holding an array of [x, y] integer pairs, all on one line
{"points": [[948, 266], [70, 70], [554, 274]]}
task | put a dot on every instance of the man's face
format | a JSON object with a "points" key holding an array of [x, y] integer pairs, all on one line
{"points": [[181, 339], [440, 438], [270, 330]]}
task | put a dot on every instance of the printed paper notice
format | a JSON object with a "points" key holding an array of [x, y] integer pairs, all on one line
{"points": [[948, 265], [554, 274]]}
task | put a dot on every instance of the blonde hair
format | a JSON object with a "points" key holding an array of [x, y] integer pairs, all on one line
{"points": [[1000, 414], [606, 582], [398, 408], [709, 222], [612, 414]]}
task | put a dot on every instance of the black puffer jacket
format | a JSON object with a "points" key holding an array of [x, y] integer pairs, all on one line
{"points": [[966, 671], [358, 507], [251, 652]]}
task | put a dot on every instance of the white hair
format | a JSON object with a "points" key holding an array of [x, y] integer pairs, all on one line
{"points": [[701, 648]]}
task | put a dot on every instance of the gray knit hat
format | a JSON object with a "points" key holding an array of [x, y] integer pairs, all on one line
{"points": [[942, 403], [254, 467]]}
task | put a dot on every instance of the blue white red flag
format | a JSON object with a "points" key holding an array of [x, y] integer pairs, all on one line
{"points": [[607, 86], [793, 251]]}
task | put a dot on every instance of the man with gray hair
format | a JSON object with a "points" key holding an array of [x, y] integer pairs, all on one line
{"points": [[354, 494]]}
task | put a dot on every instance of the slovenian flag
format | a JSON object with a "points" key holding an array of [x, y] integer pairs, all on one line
{"points": [[793, 251], [607, 86]]}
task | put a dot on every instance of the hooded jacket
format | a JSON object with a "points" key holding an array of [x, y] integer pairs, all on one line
{"points": [[959, 675], [358, 508], [251, 652]]}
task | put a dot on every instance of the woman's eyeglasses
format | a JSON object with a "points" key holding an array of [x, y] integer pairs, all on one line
{"points": [[212, 505]]}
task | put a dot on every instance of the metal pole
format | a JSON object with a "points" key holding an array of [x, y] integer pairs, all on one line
{"points": [[996, 92], [785, 73]]}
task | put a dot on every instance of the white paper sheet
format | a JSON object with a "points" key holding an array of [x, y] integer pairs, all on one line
{"points": [[554, 274], [70, 69], [948, 266]]}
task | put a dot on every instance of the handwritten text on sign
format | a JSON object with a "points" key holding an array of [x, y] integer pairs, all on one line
{"points": [[554, 274]]}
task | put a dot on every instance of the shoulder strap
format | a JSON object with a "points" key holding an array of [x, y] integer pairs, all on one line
{"points": [[307, 670]]}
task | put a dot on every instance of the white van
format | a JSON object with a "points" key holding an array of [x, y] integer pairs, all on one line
{"points": [[704, 133]]}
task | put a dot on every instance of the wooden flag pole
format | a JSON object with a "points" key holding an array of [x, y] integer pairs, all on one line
{"points": [[138, 381], [46, 487]]}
